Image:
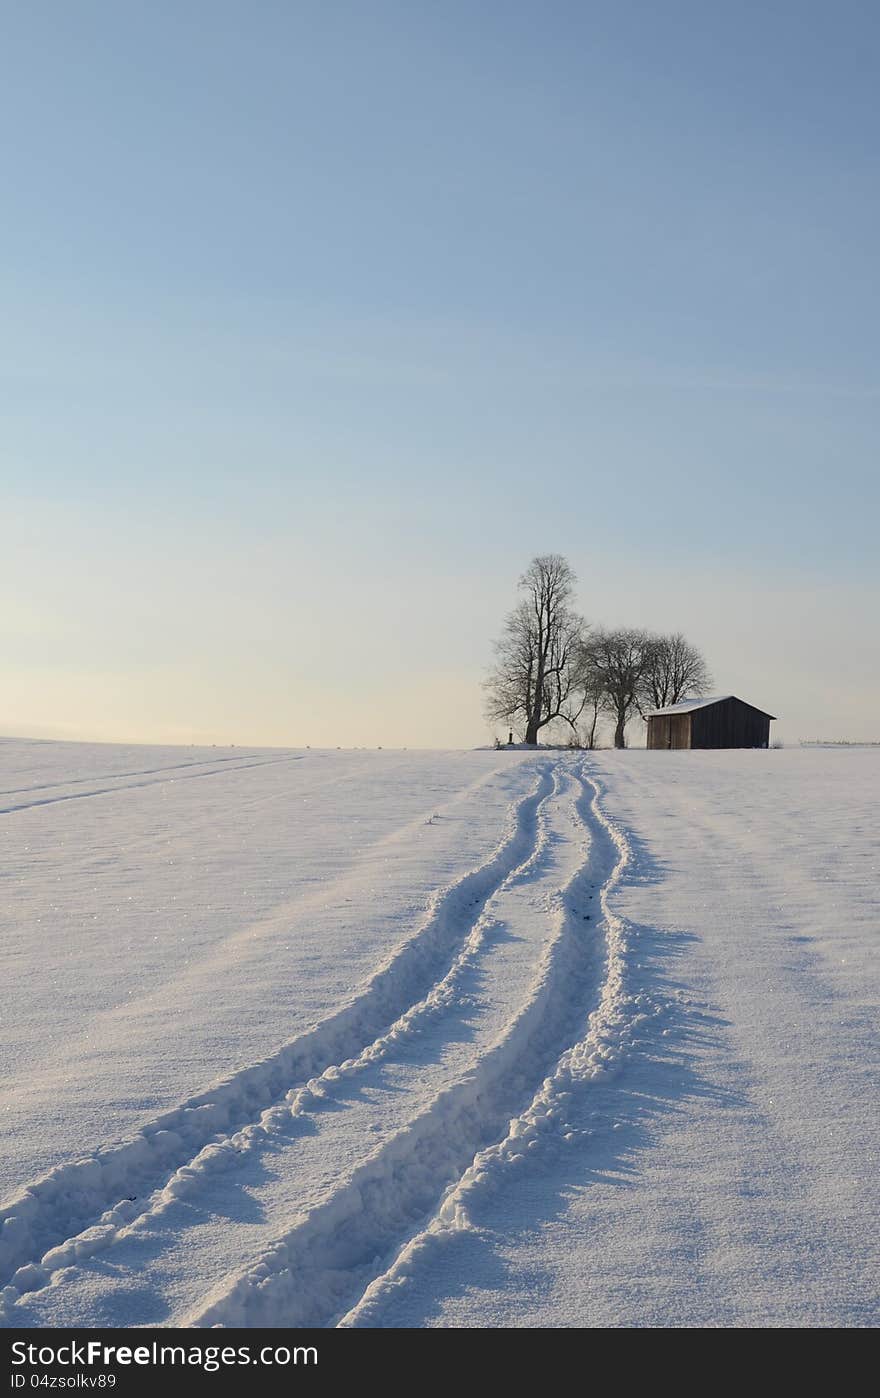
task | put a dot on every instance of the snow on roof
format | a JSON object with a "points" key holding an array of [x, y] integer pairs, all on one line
{"points": [[686, 705]]}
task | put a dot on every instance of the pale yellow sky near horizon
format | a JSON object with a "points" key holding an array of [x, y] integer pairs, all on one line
{"points": [[202, 645]]}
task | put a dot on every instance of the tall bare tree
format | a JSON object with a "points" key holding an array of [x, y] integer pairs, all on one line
{"points": [[615, 662], [675, 669], [537, 668]]}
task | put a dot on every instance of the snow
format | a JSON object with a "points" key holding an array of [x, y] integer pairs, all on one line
{"points": [[687, 706], [517, 1038]]}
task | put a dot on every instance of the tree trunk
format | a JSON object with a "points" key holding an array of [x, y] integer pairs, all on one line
{"points": [[619, 733], [591, 736], [532, 731]]}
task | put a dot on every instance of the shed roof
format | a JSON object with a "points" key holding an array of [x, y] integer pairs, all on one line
{"points": [[686, 706]]}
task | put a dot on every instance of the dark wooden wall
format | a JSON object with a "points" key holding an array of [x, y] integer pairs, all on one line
{"points": [[730, 724]]}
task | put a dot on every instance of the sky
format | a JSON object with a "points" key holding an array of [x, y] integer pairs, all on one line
{"points": [[319, 320]]}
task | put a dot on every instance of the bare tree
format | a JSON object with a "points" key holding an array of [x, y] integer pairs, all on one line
{"points": [[675, 669], [535, 677], [614, 662], [592, 685]]}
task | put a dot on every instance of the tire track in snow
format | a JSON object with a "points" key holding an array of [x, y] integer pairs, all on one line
{"points": [[118, 776], [135, 786], [77, 1208], [320, 1269], [595, 1055]]}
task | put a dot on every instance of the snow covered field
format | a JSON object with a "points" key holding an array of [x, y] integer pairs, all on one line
{"points": [[447, 1039]]}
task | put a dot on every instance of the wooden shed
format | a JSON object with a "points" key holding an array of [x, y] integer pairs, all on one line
{"points": [[722, 722]]}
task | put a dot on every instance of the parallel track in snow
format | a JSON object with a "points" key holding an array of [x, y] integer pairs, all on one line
{"points": [[139, 785], [333, 1266], [594, 1055], [136, 772], [80, 1208]]}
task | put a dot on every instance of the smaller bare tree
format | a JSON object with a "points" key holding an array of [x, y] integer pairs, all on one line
{"points": [[613, 664], [674, 670], [592, 686]]}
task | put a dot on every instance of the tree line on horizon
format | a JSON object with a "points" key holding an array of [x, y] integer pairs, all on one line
{"points": [[552, 667]]}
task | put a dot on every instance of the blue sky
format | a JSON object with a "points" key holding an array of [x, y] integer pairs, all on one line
{"points": [[319, 320]]}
